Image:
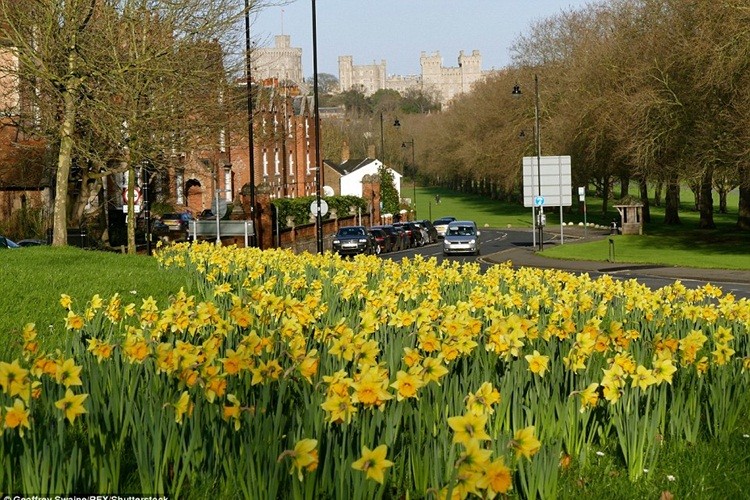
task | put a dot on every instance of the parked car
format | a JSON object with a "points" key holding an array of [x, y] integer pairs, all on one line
{"points": [[6, 243], [178, 224], [429, 229], [385, 240], [403, 237], [207, 214], [353, 240], [394, 237], [461, 237], [414, 233], [30, 242], [441, 225]]}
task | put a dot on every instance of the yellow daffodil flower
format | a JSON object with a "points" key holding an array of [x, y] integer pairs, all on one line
{"points": [[17, 416], [373, 462], [72, 405], [525, 443]]}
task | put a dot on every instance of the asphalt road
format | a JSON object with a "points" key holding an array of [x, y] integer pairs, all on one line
{"points": [[499, 246]]}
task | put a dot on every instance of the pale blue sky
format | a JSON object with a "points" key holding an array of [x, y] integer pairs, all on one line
{"points": [[399, 30]]}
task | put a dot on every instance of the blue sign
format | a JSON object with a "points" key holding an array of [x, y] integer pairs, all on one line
{"points": [[539, 201]]}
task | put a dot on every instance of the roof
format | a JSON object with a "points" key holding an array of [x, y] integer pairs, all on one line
{"points": [[353, 165], [350, 166]]}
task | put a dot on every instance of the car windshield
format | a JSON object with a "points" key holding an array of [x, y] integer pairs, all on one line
{"points": [[461, 230], [351, 231]]}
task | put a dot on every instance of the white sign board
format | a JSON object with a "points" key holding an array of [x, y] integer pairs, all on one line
{"points": [[553, 173], [323, 208]]}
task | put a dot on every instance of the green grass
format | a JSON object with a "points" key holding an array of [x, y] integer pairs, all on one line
{"points": [[689, 249], [706, 470], [672, 245], [33, 279]]}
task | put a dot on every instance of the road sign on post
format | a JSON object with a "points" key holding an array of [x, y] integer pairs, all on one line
{"points": [[539, 201], [136, 200], [553, 180], [323, 207]]}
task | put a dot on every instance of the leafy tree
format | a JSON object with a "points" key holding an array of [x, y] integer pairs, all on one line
{"points": [[388, 192], [385, 101], [355, 102], [327, 83], [419, 101]]}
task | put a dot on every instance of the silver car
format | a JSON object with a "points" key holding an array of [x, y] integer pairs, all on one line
{"points": [[461, 237]]}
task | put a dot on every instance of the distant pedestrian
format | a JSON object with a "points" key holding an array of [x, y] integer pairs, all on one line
{"points": [[437, 199]]}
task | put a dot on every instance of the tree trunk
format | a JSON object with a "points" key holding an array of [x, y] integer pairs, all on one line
{"points": [[624, 185], [706, 200], [64, 159], [743, 212], [657, 193], [643, 184], [672, 202], [696, 189], [723, 200], [131, 211], [605, 193]]}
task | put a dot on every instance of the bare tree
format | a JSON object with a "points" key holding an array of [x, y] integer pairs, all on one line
{"points": [[109, 83]]}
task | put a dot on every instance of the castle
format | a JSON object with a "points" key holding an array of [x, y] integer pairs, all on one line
{"points": [[284, 62], [446, 82]]}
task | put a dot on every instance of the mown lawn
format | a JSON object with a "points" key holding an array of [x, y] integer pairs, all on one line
{"points": [[33, 279]]}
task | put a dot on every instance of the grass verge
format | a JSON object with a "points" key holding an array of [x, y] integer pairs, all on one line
{"points": [[33, 279]]}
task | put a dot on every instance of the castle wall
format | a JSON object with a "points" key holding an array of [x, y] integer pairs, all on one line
{"points": [[447, 81]]}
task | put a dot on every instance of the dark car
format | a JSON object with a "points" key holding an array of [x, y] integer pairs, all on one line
{"points": [[6, 243], [353, 240], [30, 242], [178, 224], [385, 241], [403, 237], [394, 239], [414, 232], [432, 235], [207, 214]]}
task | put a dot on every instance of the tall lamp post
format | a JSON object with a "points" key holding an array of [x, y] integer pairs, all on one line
{"points": [[318, 212], [538, 140], [382, 140], [250, 141], [404, 144], [410, 143]]}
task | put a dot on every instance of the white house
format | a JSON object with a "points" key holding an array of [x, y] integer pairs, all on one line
{"points": [[351, 172]]}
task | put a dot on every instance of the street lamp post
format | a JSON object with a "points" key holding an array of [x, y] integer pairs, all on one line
{"points": [[538, 140], [250, 141], [410, 143], [382, 140], [318, 212]]}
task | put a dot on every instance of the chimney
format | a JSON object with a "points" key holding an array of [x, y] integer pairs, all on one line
{"points": [[371, 151], [345, 153]]}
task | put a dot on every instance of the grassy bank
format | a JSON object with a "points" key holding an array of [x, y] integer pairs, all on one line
{"points": [[33, 279]]}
